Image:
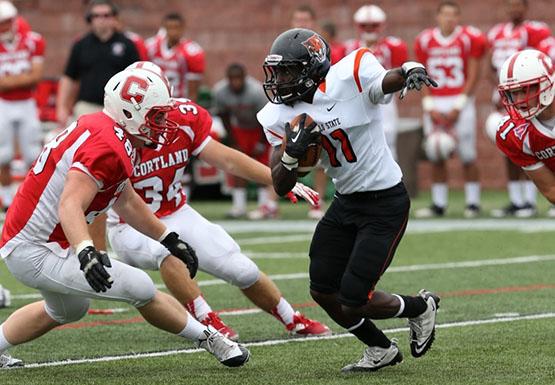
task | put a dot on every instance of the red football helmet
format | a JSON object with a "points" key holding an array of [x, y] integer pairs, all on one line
{"points": [[526, 84]]}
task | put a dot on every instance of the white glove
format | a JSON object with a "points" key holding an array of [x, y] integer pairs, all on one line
{"points": [[305, 192]]}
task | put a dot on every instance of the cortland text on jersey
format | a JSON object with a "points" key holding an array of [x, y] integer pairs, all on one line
{"points": [[171, 159], [528, 144]]}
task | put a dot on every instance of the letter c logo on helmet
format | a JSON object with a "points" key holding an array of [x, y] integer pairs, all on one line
{"points": [[134, 90]]}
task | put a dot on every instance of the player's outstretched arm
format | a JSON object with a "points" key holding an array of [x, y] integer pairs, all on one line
{"points": [[235, 162], [134, 211], [544, 179], [411, 75]]}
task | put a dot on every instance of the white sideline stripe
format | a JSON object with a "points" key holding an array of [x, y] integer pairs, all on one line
{"points": [[394, 269], [414, 226], [282, 341]]}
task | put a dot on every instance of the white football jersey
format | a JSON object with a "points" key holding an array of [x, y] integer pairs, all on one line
{"points": [[346, 107]]}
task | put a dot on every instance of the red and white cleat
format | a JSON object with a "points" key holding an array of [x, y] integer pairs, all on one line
{"points": [[212, 319], [302, 326]]}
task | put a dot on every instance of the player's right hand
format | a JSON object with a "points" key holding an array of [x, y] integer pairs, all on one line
{"points": [[92, 265], [298, 141], [181, 250]]}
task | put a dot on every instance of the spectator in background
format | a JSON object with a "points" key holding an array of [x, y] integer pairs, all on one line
{"points": [[329, 33], [181, 59], [94, 59], [452, 55], [21, 68], [304, 16], [505, 39], [237, 99], [390, 51]]}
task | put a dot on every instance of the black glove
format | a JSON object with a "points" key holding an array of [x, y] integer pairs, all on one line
{"points": [[415, 75], [92, 264], [181, 250], [298, 142]]}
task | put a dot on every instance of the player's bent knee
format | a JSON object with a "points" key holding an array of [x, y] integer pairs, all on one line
{"points": [[140, 289], [243, 272]]}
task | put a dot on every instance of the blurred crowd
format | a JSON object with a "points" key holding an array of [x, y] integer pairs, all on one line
{"points": [[452, 52]]}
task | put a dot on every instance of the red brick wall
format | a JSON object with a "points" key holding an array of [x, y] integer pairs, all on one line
{"points": [[242, 30]]}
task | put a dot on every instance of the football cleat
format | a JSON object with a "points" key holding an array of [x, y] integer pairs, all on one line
{"points": [[212, 319], [528, 210], [7, 361], [375, 357], [316, 212], [422, 328], [507, 211], [5, 297], [302, 326], [263, 212], [472, 211], [551, 212], [235, 213], [433, 211], [229, 353]]}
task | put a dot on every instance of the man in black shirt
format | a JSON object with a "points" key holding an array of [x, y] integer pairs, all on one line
{"points": [[94, 59]]}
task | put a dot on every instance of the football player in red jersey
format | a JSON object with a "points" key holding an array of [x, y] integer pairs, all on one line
{"points": [[21, 68], [452, 54], [526, 136], [181, 59], [390, 51], [157, 179], [505, 39], [80, 174]]}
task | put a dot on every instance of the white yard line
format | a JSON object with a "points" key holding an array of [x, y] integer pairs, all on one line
{"points": [[283, 341], [414, 226], [393, 269]]}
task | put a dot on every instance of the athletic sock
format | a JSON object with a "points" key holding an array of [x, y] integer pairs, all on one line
{"points": [[472, 193], [440, 192], [368, 333], [199, 308], [414, 306], [4, 344], [530, 192], [239, 199], [193, 330], [284, 312], [515, 193]]}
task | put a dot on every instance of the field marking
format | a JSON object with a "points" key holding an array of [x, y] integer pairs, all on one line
{"points": [[280, 341], [393, 269], [415, 226]]}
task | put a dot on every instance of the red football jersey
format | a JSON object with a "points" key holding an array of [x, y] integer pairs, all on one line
{"points": [[139, 44], [94, 145], [390, 51], [181, 63], [528, 144], [506, 39], [547, 46], [16, 59], [446, 57], [158, 175]]}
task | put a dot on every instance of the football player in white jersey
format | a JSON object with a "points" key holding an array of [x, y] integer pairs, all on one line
{"points": [[80, 174], [355, 241]]}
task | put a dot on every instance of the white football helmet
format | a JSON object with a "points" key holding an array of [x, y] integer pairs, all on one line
{"points": [[439, 146], [365, 17], [492, 122], [7, 10], [147, 65], [139, 101], [530, 73]]}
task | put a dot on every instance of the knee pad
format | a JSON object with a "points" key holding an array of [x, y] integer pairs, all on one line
{"points": [[240, 271], [69, 310], [139, 289], [354, 290]]}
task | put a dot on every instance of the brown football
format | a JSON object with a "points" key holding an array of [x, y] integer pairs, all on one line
{"points": [[312, 155]]}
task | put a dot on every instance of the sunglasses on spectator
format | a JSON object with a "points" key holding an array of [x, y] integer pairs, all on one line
{"points": [[101, 15]]}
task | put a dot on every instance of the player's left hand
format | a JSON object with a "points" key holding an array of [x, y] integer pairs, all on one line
{"points": [[298, 141], [305, 192], [415, 76], [183, 251]]}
